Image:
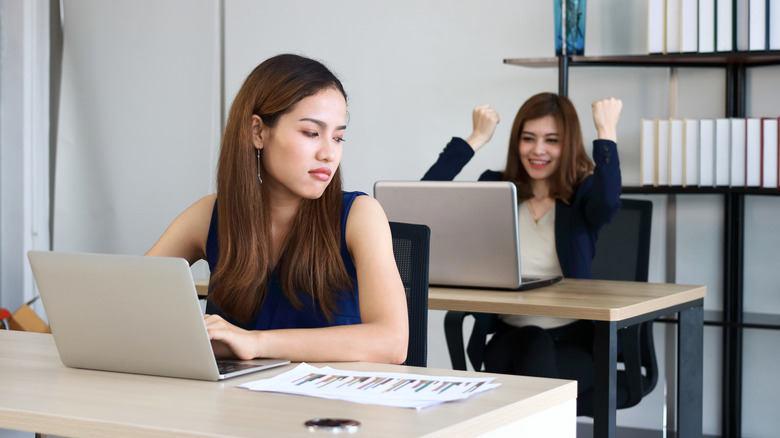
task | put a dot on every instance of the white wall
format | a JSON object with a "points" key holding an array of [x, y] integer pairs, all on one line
{"points": [[139, 120], [140, 124]]}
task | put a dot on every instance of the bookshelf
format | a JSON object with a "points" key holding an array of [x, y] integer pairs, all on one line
{"points": [[732, 319]]}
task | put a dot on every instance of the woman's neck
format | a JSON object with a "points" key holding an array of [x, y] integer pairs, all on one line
{"points": [[540, 189], [282, 212], [541, 202]]}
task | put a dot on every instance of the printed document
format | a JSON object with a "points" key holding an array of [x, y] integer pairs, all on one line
{"points": [[378, 388]]}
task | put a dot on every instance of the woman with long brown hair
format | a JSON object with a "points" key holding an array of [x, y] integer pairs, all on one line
{"points": [[565, 198], [300, 269]]}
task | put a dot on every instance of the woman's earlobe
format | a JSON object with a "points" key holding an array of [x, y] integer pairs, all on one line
{"points": [[257, 131]]}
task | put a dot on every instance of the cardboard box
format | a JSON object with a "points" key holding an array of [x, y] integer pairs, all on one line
{"points": [[25, 319]]}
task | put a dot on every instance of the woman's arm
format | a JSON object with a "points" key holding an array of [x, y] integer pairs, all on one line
{"points": [[384, 332], [187, 234], [458, 152], [603, 199]]}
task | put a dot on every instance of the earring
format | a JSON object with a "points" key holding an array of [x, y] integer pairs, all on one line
{"points": [[259, 179]]}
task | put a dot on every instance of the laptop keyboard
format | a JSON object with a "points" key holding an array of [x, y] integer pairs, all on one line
{"points": [[230, 366]]}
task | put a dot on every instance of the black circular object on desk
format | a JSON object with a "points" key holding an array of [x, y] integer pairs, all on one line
{"points": [[333, 424]]}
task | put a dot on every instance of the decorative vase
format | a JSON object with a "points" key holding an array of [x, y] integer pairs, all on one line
{"points": [[569, 27]]}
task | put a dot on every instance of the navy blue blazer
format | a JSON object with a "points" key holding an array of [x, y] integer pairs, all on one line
{"points": [[594, 203]]}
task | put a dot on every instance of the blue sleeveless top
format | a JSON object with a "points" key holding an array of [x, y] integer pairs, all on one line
{"points": [[277, 312]]}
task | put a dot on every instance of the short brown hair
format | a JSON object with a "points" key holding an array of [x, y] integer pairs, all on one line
{"points": [[575, 164]]}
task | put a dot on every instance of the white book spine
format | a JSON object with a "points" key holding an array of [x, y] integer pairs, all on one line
{"points": [[737, 152], [723, 26], [673, 26], [647, 158], [769, 153], [676, 153], [656, 32], [706, 152], [662, 152], [774, 24], [691, 152], [753, 152], [689, 26], [757, 25], [706, 26], [722, 152]]}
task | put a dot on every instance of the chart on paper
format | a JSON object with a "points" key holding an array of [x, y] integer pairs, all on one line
{"points": [[388, 389]]}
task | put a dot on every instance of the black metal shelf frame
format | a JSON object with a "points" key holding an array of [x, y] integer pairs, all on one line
{"points": [[733, 319]]}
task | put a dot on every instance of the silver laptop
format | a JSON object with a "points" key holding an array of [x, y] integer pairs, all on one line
{"points": [[130, 314], [474, 233]]}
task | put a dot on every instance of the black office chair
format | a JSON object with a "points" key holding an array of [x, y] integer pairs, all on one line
{"points": [[411, 247], [622, 253]]}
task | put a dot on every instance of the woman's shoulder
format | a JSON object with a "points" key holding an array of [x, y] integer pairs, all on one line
{"points": [[357, 201], [351, 195], [207, 201], [491, 175], [202, 208]]}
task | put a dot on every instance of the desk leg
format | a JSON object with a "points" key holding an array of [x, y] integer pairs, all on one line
{"points": [[605, 379], [690, 361]]}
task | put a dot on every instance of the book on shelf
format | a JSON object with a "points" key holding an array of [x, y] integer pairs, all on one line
{"points": [[706, 26], [741, 13], [722, 151], [773, 24], [724, 35], [770, 136], [662, 152], [753, 152], [676, 153], [737, 162], [656, 30], [647, 166], [757, 34], [690, 152], [689, 26], [706, 153], [673, 26], [706, 11]]}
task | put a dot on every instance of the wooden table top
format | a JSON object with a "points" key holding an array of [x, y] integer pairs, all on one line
{"points": [[38, 393], [600, 300]]}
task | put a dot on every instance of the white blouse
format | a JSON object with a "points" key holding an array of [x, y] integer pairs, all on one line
{"points": [[538, 257]]}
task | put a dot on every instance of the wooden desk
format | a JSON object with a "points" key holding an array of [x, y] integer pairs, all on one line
{"points": [[39, 394], [611, 305]]}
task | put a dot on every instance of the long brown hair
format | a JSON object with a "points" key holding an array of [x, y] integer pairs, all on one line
{"points": [[574, 165], [310, 260]]}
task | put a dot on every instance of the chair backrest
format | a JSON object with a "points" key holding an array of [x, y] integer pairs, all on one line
{"points": [[623, 247], [623, 253], [411, 243]]}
